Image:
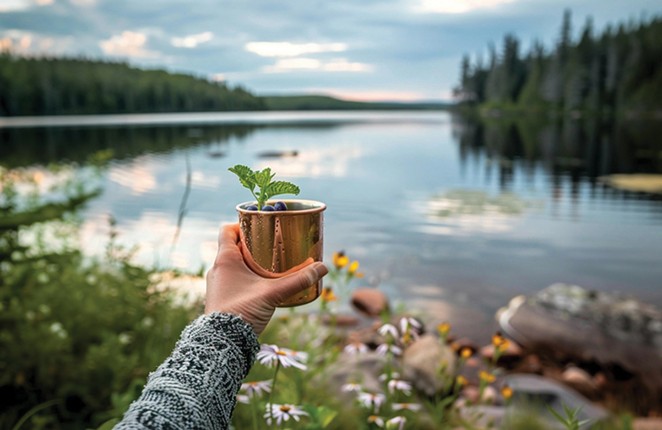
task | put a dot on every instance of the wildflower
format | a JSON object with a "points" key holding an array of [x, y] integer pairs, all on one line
{"points": [[340, 260], [487, 377], [243, 398], [465, 352], [443, 329], [499, 342], [256, 388], [272, 354], [396, 421], [506, 392], [390, 330], [461, 381], [411, 328], [406, 406], [356, 348], [400, 385], [351, 388], [376, 420], [370, 400], [352, 269], [385, 347], [282, 413], [328, 295], [408, 324]]}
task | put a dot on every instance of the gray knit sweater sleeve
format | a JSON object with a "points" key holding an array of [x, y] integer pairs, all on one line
{"points": [[196, 387]]}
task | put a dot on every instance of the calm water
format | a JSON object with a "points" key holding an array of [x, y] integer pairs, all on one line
{"points": [[450, 216]]}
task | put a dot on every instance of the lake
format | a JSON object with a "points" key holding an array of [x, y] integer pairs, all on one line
{"points": [[449, 215]]}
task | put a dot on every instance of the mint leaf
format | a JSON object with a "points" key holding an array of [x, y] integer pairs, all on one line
{"points": [[280, 187], [262, 179], [246, 176]]}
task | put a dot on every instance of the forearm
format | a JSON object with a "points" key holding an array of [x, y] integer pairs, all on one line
{"points": [[196, 386]]}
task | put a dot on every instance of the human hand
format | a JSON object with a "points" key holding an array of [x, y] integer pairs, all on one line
{"points": [[234, 288]]}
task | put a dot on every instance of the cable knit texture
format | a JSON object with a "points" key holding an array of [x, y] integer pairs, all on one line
{"points": [[196, 387]]}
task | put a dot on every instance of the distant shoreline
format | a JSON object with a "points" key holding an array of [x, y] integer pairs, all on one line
{"points": [[223, 118]]}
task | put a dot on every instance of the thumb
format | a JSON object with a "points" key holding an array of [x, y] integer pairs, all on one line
{"points": [[299, 281]]}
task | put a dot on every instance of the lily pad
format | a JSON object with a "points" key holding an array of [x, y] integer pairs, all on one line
{"points": [[644, 183]]}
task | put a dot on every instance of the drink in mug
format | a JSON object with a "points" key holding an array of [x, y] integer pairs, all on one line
{"points": [[277, 243]]}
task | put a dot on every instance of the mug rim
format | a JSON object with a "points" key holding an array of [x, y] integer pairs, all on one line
{"points": [[317, 207]]}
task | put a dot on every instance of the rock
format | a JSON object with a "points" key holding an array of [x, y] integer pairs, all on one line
{"points": [[341, 320], [531, 363], [571, 322], [580, 380], [370, 301], [534, 389], [422, 362], [278, 154], [470, 393]]}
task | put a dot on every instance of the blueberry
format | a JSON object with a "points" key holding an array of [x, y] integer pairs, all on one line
{"points": [[280, 206], [251, 208], [268, 208]]}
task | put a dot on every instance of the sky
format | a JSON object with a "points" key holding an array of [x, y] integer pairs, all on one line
{"points": [[401, 50]]}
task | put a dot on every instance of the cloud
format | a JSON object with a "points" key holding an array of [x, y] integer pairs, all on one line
{"points": [[27, 43], [457, 6], [335, 65], [127, 44], [192, 40], [288, 49], [82, 3]]}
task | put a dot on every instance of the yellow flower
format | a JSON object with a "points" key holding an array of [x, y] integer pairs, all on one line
{"points": [[506, 392], [327, 295], [500, 343], [340, 260], [352, 270], [465, 352], [487, 377], [461, 380], [444, 328]]}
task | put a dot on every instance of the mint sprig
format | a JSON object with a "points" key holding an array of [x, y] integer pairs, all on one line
{"points": [[262, 180]]}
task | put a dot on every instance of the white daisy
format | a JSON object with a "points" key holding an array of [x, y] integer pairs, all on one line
{"points": [[370, 400], [282, 413], [351, 388], [393, 349], [400, 385], [406, 406], [408, 324], [389, 330], [269, 355], [376, 420], [356, 348], [242, 398], [256, 388], [398, 421]]}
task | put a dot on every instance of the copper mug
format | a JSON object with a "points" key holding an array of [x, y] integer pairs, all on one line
{"points": [[277, 243]]}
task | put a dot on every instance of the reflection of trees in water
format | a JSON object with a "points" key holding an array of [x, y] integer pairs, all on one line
{"points": [[571, 151], [29, 146]]}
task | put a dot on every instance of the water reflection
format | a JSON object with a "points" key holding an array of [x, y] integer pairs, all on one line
{"points": [[570, 150], [466, 211], [453, 213]]}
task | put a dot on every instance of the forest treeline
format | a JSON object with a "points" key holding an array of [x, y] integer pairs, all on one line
{"points": [[616, 71], [65, 86]]}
